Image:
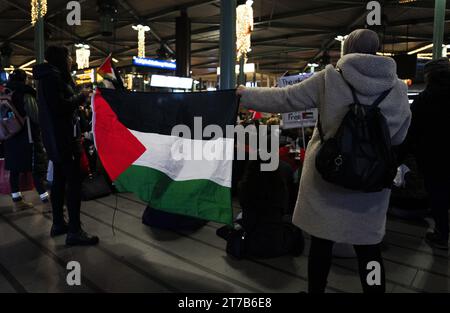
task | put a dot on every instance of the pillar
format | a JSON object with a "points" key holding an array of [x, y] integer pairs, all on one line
{"points": [[39, 39], [227, 44], [183, 45], [439, 27]]}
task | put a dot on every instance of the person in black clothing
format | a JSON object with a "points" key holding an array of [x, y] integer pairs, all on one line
{"points": [[425, 139], [24, 152], [58, 115]]}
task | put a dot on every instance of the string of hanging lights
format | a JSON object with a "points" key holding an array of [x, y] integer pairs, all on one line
{"points": [[82, 56], [244, 28], [38, 10], [141, 29]]}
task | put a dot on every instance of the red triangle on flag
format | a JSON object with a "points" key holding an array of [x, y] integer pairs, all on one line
{"points": [[117, 147], [106, 69]]}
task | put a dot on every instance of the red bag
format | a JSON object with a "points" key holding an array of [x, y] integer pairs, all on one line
{"points": [[26, 180]]}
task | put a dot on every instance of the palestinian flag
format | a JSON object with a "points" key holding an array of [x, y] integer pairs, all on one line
{"points": [[133, 136], [110, 79]]}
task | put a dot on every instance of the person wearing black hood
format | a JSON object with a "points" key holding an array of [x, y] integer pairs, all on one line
{"points": [[58, 114], [24, 151], [425, 140]]}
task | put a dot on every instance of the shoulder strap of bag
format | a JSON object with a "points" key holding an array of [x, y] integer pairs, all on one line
{"points": [[355, 100], [382, 97], [319, 128], [355, 97]]}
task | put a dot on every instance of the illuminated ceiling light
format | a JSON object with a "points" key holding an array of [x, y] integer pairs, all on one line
{"points": [[248, 68], [430, 46], [406, 1], [421, 49], [244, 28], [115, 60], [27, 64], [141, 29], [82, 54], [38, 10], [313, 66], [385, 54]]}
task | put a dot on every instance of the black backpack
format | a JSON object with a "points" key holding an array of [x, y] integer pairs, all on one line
{"points": [[360, 156]]}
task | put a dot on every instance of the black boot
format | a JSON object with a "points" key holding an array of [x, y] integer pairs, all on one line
{"points": [[58, 230], [81, 238]]}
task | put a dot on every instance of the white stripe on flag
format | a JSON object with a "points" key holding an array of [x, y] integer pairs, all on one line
{"points": [[159, 156]]}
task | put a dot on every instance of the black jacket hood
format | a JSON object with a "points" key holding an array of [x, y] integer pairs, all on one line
{"points": [[43, 70]]}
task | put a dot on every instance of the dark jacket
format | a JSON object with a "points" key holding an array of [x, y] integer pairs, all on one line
{"points": [[427, 136], [58, 113], [18, 149]]}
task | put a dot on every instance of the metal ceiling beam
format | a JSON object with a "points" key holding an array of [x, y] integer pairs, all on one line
{"points": [[331, 42], [264, 40], [169, 39], [49, 16], [161, 13], [28, 26], [420, 4]]}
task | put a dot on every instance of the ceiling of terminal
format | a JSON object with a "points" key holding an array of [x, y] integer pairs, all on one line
{"points": [[288, 33]]}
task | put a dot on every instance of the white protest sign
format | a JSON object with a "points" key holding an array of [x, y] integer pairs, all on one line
{"points": [[297, 119], [300, 119]]}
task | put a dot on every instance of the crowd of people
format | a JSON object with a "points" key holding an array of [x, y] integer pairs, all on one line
{"points": [[328, 213], [53, 133]]}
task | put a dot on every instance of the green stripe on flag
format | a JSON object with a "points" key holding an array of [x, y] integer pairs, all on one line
{"points": [[197, 198]]}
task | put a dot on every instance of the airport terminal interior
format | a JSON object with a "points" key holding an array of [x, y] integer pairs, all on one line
{"points": [[163, 233]]}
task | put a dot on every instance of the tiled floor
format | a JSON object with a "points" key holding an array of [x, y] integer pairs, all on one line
{"points": [[135, 258]]}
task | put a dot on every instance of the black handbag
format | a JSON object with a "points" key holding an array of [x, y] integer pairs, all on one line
{"points": [[95, 186]]}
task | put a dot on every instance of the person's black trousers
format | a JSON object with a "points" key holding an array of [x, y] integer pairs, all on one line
{"points": [[67, 174], [319, 264], [439, 193], [14, 181]]}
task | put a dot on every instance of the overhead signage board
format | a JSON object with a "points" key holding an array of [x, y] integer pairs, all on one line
{"points": [[153, 63], [171, 82]]}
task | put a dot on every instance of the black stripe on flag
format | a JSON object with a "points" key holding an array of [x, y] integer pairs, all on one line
{"points": [[160, 112]]}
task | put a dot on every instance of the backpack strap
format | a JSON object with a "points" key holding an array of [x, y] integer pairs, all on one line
{"points": [[355, 97], [319, 128], [382, 97]]}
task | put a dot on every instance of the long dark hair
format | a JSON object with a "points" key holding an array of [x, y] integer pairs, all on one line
{"points": [[58, 57]]}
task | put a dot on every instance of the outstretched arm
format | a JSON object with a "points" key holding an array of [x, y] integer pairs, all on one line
{"points": [[299, 97]]}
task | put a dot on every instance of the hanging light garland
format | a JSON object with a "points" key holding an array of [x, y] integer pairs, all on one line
{"points": [[141, 29], [342, 40], [38, 10], [244, 28], [82, 54]]}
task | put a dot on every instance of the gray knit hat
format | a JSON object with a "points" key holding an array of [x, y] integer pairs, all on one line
{"points": [[364, 41]]}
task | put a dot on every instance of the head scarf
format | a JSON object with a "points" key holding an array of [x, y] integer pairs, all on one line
{"points": [[363, 41]]}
